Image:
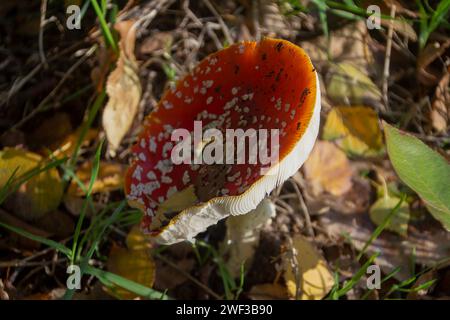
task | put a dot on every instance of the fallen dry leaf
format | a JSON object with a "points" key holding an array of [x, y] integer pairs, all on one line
{"points": [[347, 44], [328, 169], [268, 291], [305, 266], [123, 88], [69, 143], [348, 84], [37, 196], [440, 109], [51, 132], [57, 223], [355, 129], [75, 204], [156, 42], [110, 178], [134, 263], [19, 240], [3, 294]]}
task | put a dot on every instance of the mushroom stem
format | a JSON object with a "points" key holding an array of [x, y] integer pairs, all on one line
{"points": [[243, 233]]}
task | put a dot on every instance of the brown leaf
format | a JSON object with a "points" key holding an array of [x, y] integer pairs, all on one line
{"points": [[328, 169], [123, 88], [440, 109], [50, 133], [3, 294], [158, 41], [67, 146], [75, 204], [58, 223], [16, 222], [347, 44]]}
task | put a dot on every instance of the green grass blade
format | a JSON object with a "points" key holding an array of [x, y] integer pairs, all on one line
{"points": [[90, 119], [381, 227], [355, 279], [104, 25], [12, 186], [95, 169], [109, 279], [53, 244]]}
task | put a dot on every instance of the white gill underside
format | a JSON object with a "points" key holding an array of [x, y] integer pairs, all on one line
{"points": [[194, 220]]}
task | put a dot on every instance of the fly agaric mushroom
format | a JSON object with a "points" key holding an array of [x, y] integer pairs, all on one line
{"points": [[267, 85]]}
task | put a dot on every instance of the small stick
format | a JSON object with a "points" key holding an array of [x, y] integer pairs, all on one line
{"points": [[387, 59], [42, 106], [305, 210], [41, 32], [224, 27], [255, 16]]}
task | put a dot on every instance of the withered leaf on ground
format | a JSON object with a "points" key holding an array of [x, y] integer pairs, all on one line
{"points": [[348, 84], [51, 131], [304, 265], [110, 178], [123, 88], [268, 291], [37, 196], [440, 108], [134, 263], [328, 169]]}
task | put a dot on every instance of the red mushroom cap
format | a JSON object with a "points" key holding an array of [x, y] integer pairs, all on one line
{"points": [[267, 85]]}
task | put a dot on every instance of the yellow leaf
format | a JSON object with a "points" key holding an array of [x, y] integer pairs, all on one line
{"points": [[309, 269], [110, 178], [348, 84], [134, 263], [268, 291], [328, 169], [137, 240], [123, 88], [355, 129], [67, 146], [37, 196], [383, 207]]}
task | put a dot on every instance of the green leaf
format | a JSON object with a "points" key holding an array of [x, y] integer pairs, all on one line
{"points": [[383, 207], [421, 169]]}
